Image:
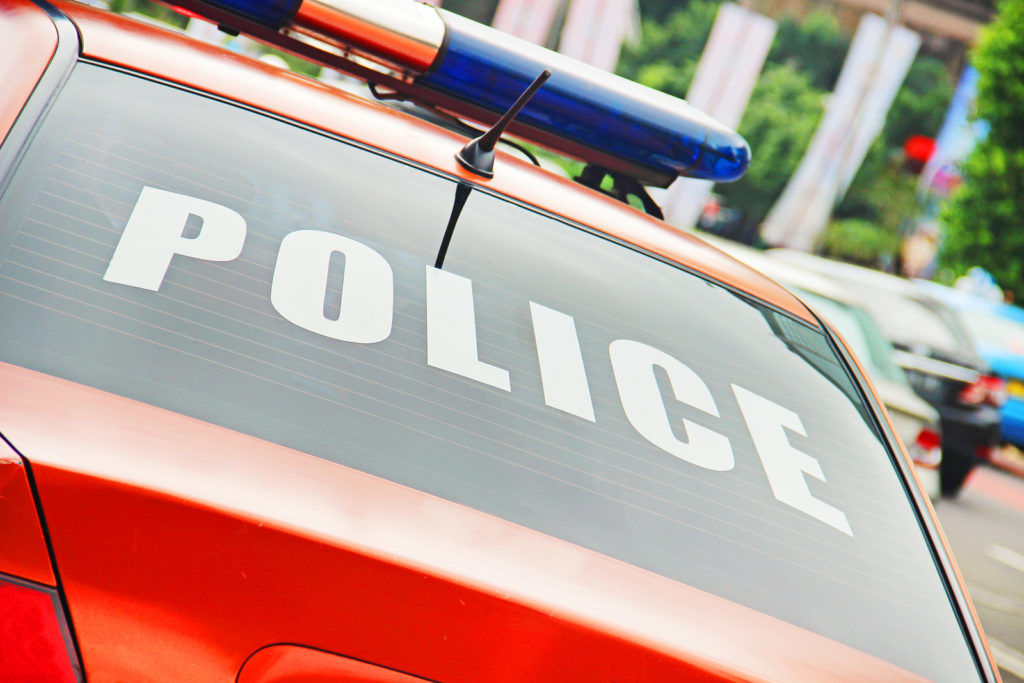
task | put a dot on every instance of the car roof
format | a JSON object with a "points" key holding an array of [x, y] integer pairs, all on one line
{"points": [[962, 300], [116, 40], [847, 272], [787, 273]]}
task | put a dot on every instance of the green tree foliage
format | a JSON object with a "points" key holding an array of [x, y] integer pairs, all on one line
{"points": [[149, 9], [660, 10], [814, 45], [920, 105], [876, 211], [883, 191], [984, 219], [783, 112], [667, 57], [784, 108], [858, 241], [999, 59], [883, 194]]}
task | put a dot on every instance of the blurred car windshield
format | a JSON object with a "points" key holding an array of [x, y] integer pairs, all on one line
{"points": [[992, 330], [861, 333], [909, 322]]}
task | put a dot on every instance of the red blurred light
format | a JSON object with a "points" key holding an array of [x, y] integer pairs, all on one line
{"points": [[32, 644], [997, 391], [973, 394], [919, 148], [927, 448], [987, 389], [929, 439], [186, 12]]}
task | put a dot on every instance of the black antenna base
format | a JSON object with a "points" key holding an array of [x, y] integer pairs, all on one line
{"points": [[476, 159], [478, 154]]}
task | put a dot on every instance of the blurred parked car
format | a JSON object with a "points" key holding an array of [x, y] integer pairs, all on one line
{"points": [[916, 421], [998, 333], [938, 356]]}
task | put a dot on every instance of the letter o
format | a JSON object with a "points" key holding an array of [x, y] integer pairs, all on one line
{"points": [[300, 286]]}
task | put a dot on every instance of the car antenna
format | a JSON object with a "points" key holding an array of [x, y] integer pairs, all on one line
{"points": [[478, 154]]}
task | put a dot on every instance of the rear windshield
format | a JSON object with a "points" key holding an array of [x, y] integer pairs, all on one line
{"points": [[198, 256]]}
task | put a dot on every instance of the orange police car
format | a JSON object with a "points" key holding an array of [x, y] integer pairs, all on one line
{"points": [[297, 386]]}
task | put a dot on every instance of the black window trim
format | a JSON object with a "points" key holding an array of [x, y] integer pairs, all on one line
{"points": [[954, 589]]}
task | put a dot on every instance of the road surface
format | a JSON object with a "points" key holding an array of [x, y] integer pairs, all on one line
{"points": [[985, 527]]}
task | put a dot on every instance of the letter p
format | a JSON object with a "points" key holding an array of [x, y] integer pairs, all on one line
{"points": [[155, 233]]}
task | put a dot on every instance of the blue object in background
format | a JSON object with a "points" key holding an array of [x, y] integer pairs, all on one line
{"points": [[997, 330]]}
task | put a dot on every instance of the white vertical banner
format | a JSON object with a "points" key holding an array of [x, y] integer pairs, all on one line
{"points": [[725, 77], [900, 50], [875, 66], [595, 30], [527, 19]]}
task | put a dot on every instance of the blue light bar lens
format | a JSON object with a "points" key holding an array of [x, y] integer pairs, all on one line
{"points": [[585, 105], [270, 13]]}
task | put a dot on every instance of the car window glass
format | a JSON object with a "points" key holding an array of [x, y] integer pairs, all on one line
{"points": [[861, 333], [201, 257], [908, 322]]}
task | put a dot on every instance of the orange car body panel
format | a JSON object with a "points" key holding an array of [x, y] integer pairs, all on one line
{"points": [[212, 544], [292, 664], [29, 39], [22, 548]]}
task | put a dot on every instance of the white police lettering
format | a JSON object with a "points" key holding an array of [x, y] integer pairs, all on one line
{"points": [[299, 287], [562, 373], [451, 330], [155, 233], [784, 465], [633, 364]]}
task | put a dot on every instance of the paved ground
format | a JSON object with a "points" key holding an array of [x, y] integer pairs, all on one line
{"points": [[985, 527]]}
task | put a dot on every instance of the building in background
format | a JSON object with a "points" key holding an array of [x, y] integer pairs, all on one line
{"points": [[947, 27]]}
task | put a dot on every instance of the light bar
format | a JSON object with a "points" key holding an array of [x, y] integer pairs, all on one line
{"points": [[270, 13], [585, 105], [477, 72]]}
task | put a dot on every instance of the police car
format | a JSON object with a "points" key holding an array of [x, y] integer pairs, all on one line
{"points": [[300, 387]]}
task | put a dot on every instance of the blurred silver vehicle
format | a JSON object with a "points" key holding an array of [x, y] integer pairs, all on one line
{"points": [[938, 356], [915, 420]]}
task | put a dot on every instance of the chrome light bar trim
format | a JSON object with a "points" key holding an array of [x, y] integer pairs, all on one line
{"points": [[405, 33]]}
